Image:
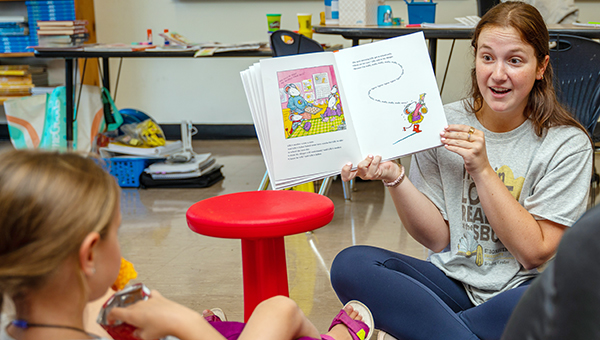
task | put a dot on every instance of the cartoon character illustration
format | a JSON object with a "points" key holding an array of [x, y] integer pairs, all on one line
{"points": [[334, 108], [415, 112], [297, 105]]}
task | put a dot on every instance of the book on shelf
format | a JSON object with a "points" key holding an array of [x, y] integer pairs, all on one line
{"points": [[62, 23], [315, 112], [14, 70], [62, 31], [64, 27], [12, 19], [64, 39], [114, 149]]}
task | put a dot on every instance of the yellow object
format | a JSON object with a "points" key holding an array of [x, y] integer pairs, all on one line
{"points": [[307, 187], [126, 274], [305, 25], [152, 134]]}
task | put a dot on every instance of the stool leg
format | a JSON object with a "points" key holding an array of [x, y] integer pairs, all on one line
{"points": [[264, 271]]}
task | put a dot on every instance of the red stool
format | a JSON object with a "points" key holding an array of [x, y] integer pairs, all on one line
{"points": [[261, 219]]}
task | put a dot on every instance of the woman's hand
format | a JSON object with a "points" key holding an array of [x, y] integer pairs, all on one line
{"points": [[156, 317], [469, 143], [371, 168]]}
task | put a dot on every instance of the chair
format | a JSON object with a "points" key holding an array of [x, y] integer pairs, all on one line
{"points": [[261, 219], [576, 64], [485, 5], [284, 43]]}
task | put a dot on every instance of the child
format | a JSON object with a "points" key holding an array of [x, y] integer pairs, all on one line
{"points": [[59, 219]]}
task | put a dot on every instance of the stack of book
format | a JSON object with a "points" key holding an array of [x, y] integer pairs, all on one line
{"points": [[64, 33], [199, 165], [45, 10], [15, 82], [13, 26], [13, 34], [39, 75]]}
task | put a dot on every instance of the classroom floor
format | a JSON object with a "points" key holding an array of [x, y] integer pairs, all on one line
{"points": [[203, 272]]}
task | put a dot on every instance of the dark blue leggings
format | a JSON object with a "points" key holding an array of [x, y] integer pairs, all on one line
{"points": [[412, 299]]}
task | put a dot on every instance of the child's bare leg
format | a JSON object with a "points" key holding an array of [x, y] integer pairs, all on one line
{"points": [[278, 318]]}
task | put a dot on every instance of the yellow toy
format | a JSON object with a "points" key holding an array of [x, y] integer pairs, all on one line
{"points": [[126, 273]]}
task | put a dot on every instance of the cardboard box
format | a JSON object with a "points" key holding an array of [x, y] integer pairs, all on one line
{"points": [[358, 12]]}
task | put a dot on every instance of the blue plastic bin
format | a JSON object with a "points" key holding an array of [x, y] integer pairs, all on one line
{"points": [[127, 171], [420, 12]]}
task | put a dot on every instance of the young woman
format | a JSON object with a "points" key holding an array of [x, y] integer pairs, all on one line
{"points": [[491, 204], [59, 219]]}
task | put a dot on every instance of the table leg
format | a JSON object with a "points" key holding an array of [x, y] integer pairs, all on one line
{"points": [[106, 73], [69, 101], [433, 52], [264, 271]]}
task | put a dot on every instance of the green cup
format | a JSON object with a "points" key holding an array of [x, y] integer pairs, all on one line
{"points": [[274, 21]]}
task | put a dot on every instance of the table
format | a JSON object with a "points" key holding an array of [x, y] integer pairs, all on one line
{"points": [[70, 55], [355, 33]]}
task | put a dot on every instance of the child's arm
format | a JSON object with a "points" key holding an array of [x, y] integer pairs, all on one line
{"points": [[158, 317]]}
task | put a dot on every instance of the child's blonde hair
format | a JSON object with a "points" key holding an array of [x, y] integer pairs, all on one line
{"points": [[49, 203]]}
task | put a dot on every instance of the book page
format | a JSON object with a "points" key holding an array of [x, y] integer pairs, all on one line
{"points": [[391, 88], [305, 115]]}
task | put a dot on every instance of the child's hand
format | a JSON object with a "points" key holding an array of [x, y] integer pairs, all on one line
{"points": [[157, 317], [371, 168]]}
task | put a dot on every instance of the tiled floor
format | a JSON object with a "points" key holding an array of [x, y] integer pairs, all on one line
{"points": [[203, 272]]}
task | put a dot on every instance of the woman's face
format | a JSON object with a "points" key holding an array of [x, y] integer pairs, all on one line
{"points": [[506, 69]]}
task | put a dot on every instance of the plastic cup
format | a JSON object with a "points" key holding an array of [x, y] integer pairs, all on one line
{"points": [[305, 25], [274, 21]]}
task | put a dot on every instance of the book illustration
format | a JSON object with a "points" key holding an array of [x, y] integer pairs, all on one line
{"points": [[310, 102], [414, 110]]}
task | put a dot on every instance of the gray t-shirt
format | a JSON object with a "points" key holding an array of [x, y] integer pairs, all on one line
{"points": [[548, 175]]}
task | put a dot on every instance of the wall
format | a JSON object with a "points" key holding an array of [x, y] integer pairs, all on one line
{"points": [[209, 91]]}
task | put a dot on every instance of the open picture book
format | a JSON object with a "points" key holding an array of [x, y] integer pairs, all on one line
{"points": [[315, 112]]}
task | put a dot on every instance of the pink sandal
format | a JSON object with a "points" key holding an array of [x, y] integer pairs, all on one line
{"points": [[359, 330], [218, 315]]}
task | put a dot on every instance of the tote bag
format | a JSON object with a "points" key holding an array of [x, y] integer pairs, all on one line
{"points": [[40, 121]]}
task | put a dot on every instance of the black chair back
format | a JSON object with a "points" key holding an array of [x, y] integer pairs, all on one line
{"points": [[576, 64], [285, 42], [485, 5]]}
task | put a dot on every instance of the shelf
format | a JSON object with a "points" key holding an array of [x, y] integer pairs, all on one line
{"points": [[16, 55]]}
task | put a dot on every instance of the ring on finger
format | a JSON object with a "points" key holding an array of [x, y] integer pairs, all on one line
{"points": [[471, 131]]}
